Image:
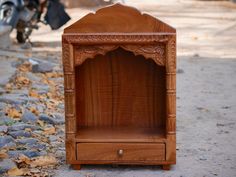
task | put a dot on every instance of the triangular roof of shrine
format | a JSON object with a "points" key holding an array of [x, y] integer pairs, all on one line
{"points": [[119, 18]]}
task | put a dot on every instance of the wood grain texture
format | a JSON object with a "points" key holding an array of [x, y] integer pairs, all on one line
{"points": [[151, 51], [120, 88], [109, 93], [121, 19], [119, 134]]}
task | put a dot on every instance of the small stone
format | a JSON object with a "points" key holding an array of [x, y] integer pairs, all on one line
{"points": [[27, 141], [27, 153], [4, 140], [20, 133], [11, 99], [58, 121], [2, 105], [43, 153], [40, 108], [31, 154], [203, 158], [59, 118], [17, 99], [53, 138], [46, 118], [36, 146], [41, 88], [29, 117], [220, 125], [226, 107], [10, 145], [3, 128], [6, 164], [21, 92], [22, 126], [16, 63], [38, 132], [42, 67], [33, 77], [61, 106], [60, 153], [6, 121], [50, 120]]}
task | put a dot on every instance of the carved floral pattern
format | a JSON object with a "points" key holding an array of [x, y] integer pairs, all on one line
{"points": [[153, 51], [67, 66], [171, 55], [113, 38], [87, 51]]}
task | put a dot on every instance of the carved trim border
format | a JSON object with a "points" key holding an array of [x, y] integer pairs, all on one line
{"points": [[149, 51], [115, 38]]}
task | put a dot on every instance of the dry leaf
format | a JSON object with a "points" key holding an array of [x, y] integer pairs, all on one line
{"points": [[40, 122], [33, 93], [49, 105], [3, 155], [34, 110], [49, 131], [43, 161], [53, 75], [16, 172], [22, 80], [23, 159], [28, 129], [25, 67], [8, 86], [13, 113]]}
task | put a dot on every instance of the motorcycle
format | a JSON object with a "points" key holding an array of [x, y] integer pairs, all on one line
{"points": [[25, 15]]}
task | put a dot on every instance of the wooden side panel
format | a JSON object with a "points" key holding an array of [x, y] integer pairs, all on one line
{"points": [[120, 151]]}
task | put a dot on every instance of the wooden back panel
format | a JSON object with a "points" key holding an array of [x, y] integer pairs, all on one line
{"points": [[120, 89]]}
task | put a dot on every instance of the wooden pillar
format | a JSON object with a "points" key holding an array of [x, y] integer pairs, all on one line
{"points": [[69, 90], [171, 99]]}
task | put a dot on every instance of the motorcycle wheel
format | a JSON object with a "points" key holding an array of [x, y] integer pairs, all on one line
{"points": [[8, 14], [21, 37]]}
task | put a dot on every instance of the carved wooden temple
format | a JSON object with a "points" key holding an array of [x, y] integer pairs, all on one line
{"points": [[120, 89]]}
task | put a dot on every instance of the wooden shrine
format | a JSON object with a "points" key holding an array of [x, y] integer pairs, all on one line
{"points": [[120, 89]]}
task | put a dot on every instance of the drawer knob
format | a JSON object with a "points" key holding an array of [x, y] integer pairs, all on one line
{"points": [[120, 152]]}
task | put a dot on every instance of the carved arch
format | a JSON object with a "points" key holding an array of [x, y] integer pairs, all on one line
{"points": [[156, 52]]}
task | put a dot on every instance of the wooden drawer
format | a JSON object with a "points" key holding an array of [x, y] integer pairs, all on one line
{"points": [[120, 151]]}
